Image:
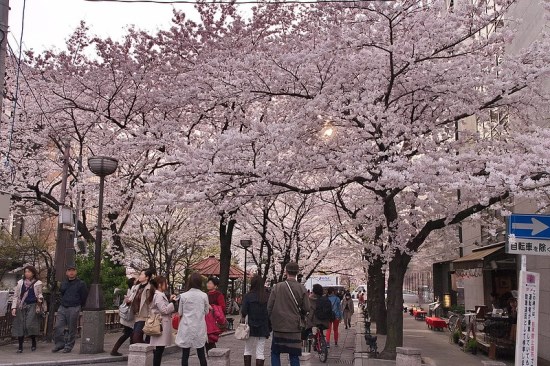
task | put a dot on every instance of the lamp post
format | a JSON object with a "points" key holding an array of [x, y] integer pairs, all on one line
{"points": [[94, 315], [246, 243]]}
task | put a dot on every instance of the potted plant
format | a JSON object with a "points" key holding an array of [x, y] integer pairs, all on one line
{"points": [[471, 346], [456, 336]]}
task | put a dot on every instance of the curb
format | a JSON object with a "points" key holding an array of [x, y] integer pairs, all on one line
{"points": [[96, 359]]}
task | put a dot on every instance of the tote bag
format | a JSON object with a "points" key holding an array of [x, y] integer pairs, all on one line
{"points": [[243, 331], [153, 325]]}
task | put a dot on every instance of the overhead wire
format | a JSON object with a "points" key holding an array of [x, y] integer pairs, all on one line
{"points": [[244, 2], [18, 72]]}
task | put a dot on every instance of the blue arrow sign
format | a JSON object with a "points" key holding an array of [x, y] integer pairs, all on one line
{"points": [[529, 226]]}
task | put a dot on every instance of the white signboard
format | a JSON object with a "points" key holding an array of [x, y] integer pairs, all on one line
{"points": [[528, 314], [527, 246]]}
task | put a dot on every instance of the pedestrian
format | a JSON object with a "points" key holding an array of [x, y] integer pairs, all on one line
{"points": [[140, 304], [127, 324], [317, 317], [287, 306], [361, 298], [215, 298], [337, 316], [26, 306], [192, 328], [73, 298], [255, 308], [347, 309], [161, 305]]}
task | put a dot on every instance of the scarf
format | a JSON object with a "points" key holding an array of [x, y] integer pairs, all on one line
{"points": [[136, 302], [27, 284]]}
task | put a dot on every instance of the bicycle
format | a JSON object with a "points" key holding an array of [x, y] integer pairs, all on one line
{"points": [[317, 339]]}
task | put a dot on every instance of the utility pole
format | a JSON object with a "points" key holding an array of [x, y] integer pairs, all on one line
{"points": [[64, 243], [4, 11]]}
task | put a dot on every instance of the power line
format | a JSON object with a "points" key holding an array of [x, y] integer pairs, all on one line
{"points": [[12, 125], [245, 2]]}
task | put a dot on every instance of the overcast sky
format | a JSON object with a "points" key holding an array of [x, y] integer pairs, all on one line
{"points": [[50, 22]]}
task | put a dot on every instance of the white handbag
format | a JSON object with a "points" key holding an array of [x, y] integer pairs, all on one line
{"points": [[243, 330]]}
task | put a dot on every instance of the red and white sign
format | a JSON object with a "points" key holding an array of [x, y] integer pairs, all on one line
{"points": [[528, 314]]}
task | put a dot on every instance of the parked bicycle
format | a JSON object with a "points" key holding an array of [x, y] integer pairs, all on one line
{"points": [[317, 339]]}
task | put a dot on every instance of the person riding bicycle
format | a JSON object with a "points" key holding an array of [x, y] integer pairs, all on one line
{"points": [[316, 317]]}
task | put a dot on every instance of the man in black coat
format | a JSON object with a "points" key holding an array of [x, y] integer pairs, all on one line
{"points": [[73, 298]]}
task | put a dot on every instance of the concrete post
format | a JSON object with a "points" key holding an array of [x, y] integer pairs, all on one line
{"points": [[219, 357], [492, 363], [141, 354], [408, 357], [93, 332]]}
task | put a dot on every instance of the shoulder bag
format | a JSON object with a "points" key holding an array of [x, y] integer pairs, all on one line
{"points": [[153, 325], [243, 330], [300, 310]]}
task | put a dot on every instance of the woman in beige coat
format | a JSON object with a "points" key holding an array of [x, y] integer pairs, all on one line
{"points": [[140, 304], [161, 305], [347, 309]]}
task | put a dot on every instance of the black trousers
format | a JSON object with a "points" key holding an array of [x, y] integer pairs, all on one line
{"points": [[157, 355], [201, 353]]}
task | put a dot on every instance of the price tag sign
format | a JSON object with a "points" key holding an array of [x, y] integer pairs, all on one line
{"points": [[527, 323]]}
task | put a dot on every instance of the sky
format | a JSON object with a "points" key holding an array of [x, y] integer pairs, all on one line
{"points": [[48, 23]]}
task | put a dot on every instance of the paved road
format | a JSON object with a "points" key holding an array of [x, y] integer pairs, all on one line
{"points": [[341, 355]]}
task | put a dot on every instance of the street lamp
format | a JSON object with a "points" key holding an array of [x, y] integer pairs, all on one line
{"points": [[93, 316], [245, 243], [101, 166]]}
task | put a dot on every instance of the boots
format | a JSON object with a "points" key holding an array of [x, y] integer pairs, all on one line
{"points": [[117, 345], [247, 360], [259, 362]]}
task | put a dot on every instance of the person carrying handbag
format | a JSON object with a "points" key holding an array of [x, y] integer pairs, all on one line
{"points": [[287, 305], [128, 322], [254, 309], [26, 308], [160, 306]]}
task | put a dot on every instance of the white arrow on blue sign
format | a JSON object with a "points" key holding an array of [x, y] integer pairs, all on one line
{"points": [[529, 226], [528, 234]]}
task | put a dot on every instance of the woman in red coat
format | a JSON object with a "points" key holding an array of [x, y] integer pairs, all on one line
{"points": [[215, 297]]}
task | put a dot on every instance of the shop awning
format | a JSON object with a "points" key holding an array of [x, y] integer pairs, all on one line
{"points": [[476, 258]]}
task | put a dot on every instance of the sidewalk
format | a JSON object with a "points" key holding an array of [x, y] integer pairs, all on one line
{"points": [[434, 345], [341, 355]]}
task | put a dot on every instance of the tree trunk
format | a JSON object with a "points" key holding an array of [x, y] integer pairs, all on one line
{"points": [[376, 299], [394, 339], [226, 235]]}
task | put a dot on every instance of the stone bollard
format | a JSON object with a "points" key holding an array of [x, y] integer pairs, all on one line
{"points": [[219, 357], [492, 363], [408, 357], [141, 354]]}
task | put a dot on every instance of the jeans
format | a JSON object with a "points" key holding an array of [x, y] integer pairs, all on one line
{"points": [[276, 360], [67, 320], [201, 353], [249, 346], [137, 334]]}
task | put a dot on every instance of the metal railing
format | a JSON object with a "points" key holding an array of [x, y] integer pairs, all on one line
{"points": [[112, 322]]}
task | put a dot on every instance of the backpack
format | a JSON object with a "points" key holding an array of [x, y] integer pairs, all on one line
{"points": [[323, 309]]}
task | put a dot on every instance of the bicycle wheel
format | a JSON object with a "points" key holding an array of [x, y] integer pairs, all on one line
{"points": [[323, 349]]}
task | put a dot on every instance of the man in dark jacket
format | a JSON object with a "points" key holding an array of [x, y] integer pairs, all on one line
{"points": [[73, 297], [287, 304]]}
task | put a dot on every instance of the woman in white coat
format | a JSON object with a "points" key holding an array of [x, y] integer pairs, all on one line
{"points": [[192, 329], [161, 305]]}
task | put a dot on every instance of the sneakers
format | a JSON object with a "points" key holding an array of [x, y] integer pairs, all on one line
{"points": [[116, 354], [56, 349], [67, 350]]}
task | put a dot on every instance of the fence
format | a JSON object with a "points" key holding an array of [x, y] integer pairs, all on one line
{"points": [[111, 323]]}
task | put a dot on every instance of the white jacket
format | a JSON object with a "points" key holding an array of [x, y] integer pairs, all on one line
{"points": [[192, 328], [17, 293]]}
